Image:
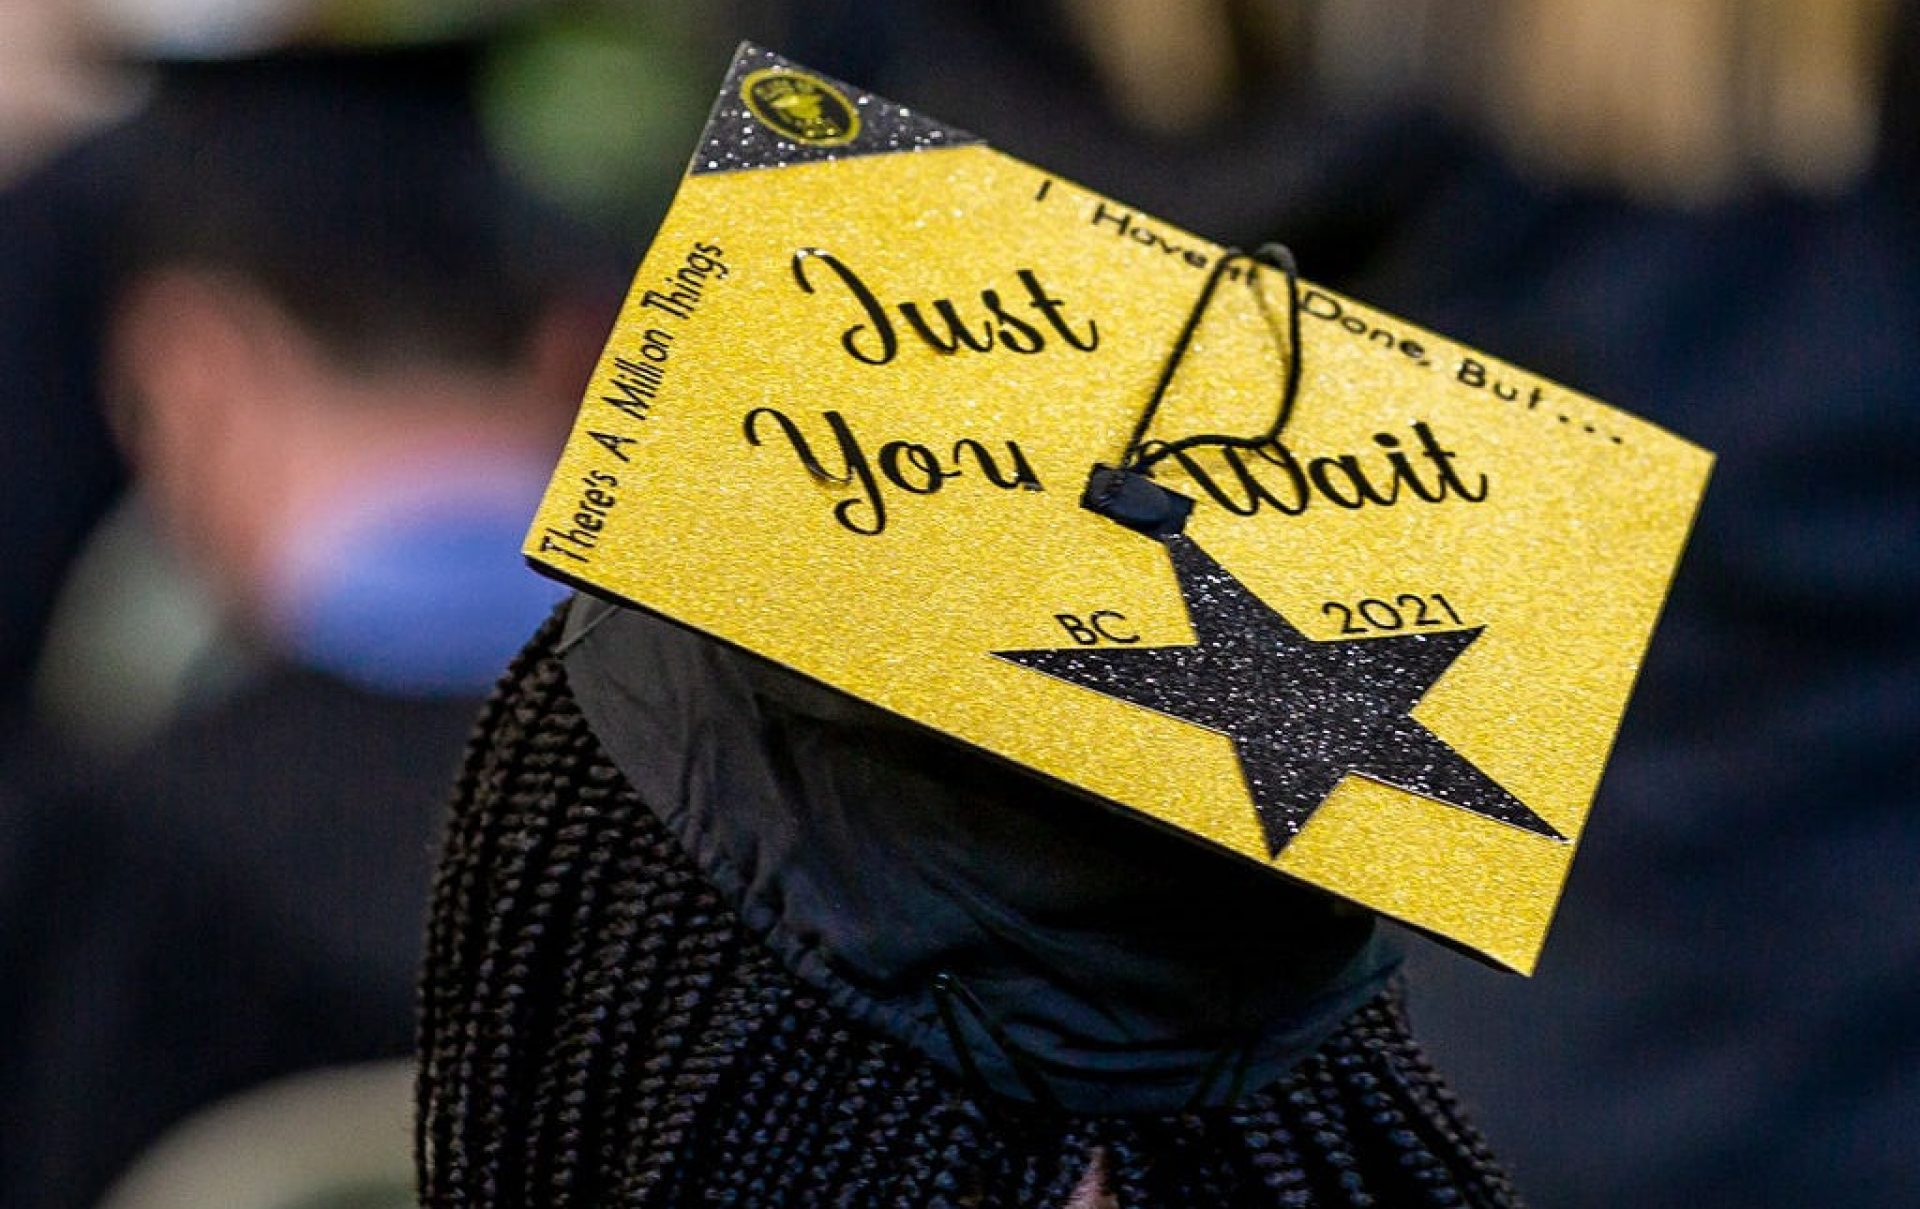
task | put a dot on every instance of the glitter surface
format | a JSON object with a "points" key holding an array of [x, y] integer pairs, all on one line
{"points": [[1302, 715], [1424, 489], [737, 139]]}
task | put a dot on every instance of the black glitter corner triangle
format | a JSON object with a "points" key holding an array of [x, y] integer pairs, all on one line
{"points": [[772, 113]]}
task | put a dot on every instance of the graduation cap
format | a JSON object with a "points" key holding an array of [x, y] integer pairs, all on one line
{"points": [[1351, 605]]}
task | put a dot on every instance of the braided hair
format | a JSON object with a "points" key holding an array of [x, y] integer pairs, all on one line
{"points": [[598, 1028]]}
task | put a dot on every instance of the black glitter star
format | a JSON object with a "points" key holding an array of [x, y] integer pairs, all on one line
{"points": [[1301, 714]]}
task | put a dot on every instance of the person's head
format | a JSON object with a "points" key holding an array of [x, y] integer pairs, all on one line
{"points": [[321, 268], [609, 1020]]}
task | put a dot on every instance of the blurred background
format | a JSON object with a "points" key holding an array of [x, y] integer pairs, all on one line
{"points": [[296, 299]]}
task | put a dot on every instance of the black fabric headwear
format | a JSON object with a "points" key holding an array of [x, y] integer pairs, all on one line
{"points": [[359, 190], [1098, 963]]}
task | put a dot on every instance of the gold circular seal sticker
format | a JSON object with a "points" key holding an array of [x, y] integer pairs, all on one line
{"points": [[800, 107]]}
